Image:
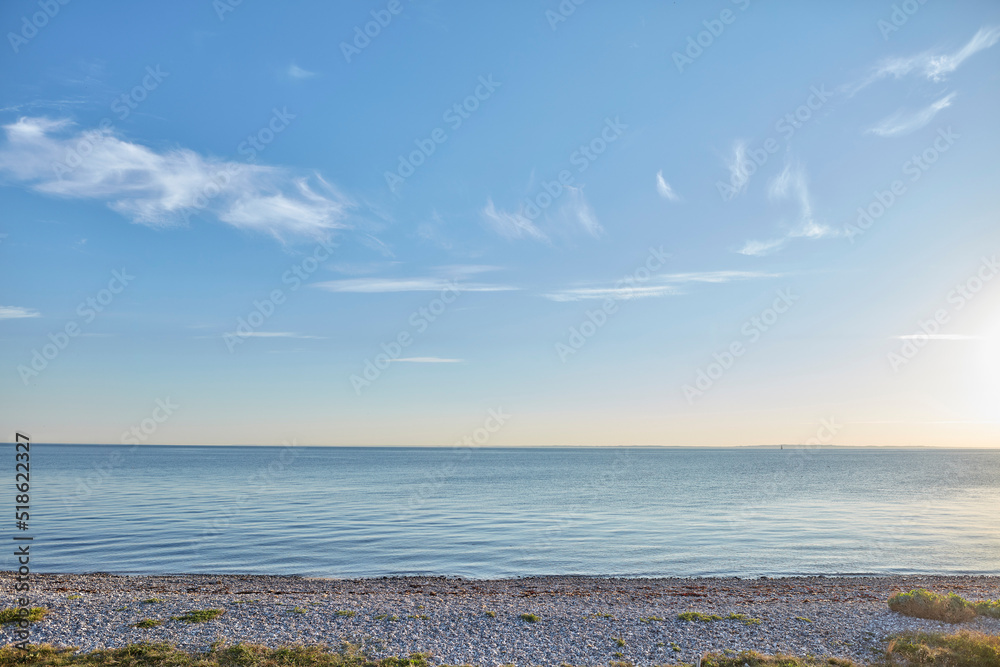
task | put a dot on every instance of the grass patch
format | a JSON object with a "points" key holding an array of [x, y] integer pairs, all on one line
{"points": [[149, 623], [152, 601], [708, 618], [963, 649], [200, 615], [650, 619], [491, 614], [619, 641], [238, 655], [296, 610], [348, 613], [922, 603], [74, 597], [13, 615], [530, 618], [601, 615]]}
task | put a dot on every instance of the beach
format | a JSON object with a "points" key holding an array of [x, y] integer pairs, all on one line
{"points": [[578, 620]]}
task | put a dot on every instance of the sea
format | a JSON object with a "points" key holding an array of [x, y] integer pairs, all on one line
{"points": [[490, 513]]}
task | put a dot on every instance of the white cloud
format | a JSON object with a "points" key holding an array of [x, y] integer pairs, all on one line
{"points": [[900, 123], [577, 210], [617, 293], [922, 336], [511, 225], [297, 72], [666, 284], [275, 334], [761, 248], [738, 176], [168, 186], [934, 67], [429, 360], [571, 210], [381, 285], [664, 188], [16, 312], [791, 183]]}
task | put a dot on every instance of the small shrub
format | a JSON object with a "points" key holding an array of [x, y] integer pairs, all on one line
{"points": [[74, 597], [619, 641], [530, 618], [744, 619], [152, 601], [921, 603], [149, 623], [296, 610], [491, 614], [963, 649], [346, 612]]}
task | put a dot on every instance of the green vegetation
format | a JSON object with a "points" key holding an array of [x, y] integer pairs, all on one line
{"points": [[950, 608], [74, 597], [744, 619], [421, 617], [296, 610], [200, 615], [345, 612], [675, 646], [964, 649], [13, 615], [601, 615], [802, 618], [152, 601], [149, 623], [387, 617], [491, 614], [650, 619], [238, 655], [698, 616], [530, 618], [619, 641]]}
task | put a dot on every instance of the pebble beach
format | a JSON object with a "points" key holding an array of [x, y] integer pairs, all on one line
{"points": [[579, 620]]}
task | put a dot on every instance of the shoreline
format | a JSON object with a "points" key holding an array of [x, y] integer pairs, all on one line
{"points": [[581, 620]]}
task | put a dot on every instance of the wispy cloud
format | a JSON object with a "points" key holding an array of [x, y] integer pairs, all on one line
{"points": [[665, 284], [736, 163], [922, 336], [932, 66], [571, 213], [664, 188], [424, 284], [791, 183], [617, 293], [429, 360], [16, 313], [166, 187], [901, 123], [297, 72], [276, 334], [511, 225]]}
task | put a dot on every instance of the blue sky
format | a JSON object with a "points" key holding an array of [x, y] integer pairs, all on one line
{"points": [[728, 223]]}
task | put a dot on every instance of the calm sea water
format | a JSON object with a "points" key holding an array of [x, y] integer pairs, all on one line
{"points": [[356, 512]]}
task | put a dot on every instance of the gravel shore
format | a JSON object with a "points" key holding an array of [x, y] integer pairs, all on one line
{"points": [[581, 620]]}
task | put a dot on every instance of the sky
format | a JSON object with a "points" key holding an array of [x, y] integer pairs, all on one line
{"points": [[580, 223]]}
